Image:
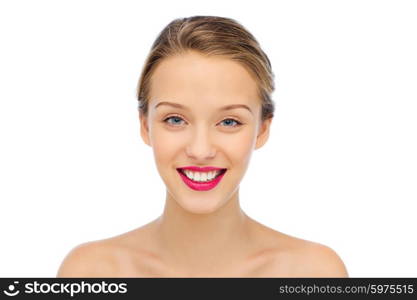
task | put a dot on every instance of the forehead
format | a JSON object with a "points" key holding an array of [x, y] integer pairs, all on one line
{"points": [[193, 76]]}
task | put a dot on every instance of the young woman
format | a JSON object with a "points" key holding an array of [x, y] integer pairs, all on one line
{"points": [[204, 107]]}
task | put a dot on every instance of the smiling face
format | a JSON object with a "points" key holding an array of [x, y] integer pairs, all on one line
{"points": [[203, 111]]}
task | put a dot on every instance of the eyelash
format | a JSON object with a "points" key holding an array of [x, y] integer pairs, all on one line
{"points": [[174, 116]]}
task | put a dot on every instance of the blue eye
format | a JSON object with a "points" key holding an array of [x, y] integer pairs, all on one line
{"points": [[176, 118], [233, 120]]}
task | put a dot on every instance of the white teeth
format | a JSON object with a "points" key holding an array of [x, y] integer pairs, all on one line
{"points": [[201, 176], [197, 176]]}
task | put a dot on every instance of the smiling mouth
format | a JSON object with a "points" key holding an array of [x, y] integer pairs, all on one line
{"points": [[208, 177]]}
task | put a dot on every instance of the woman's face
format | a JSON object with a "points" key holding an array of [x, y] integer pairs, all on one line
{"points": [[197, 130]]}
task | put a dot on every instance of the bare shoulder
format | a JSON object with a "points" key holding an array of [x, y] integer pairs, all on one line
{"points": [[90, 259], [116, 256], [296, 257], [318, 260]]}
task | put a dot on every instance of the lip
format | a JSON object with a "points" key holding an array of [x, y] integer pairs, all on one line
{"points": [[201, 169], [201, 186]]}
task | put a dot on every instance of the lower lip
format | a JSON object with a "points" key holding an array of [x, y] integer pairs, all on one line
{"points": [[201, 186]]}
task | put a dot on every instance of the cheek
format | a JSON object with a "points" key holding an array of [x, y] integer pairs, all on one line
{"points": [[239, 147], [164, 144]]}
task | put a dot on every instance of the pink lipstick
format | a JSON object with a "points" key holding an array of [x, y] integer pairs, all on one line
{"points": [[201, 186]]}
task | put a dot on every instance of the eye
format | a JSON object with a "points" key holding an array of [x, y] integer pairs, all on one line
{"points": [[230, 121], [175, 119]]}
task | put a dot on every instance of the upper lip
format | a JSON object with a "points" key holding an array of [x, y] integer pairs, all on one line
{"points": [[201, 169]]}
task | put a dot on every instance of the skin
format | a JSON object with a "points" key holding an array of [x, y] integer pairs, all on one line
{"points": [[203, 233]]}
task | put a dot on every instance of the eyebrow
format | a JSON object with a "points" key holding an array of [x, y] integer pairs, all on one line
{"points": [[227, 107]]}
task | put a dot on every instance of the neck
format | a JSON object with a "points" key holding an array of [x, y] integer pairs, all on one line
{"points": [[203, 241]]}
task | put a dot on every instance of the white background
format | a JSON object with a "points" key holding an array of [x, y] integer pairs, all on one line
{"points": [[340, 167]]}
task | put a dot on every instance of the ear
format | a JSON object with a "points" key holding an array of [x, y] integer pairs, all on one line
{"points": [[144, 129], [263, 133]]}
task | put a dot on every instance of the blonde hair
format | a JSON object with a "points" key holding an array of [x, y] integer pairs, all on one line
{"points": [[210, 35]]}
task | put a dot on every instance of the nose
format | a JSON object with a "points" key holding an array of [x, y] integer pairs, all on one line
{"points": [[200, 146]]}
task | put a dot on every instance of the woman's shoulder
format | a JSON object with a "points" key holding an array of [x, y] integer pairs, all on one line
{"points": [[290, 256], [318, 260], [89, 259], [312, 259], [106, 257]]}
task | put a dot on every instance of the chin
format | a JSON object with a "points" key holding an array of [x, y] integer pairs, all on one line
{"points": [[199, 205]]}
